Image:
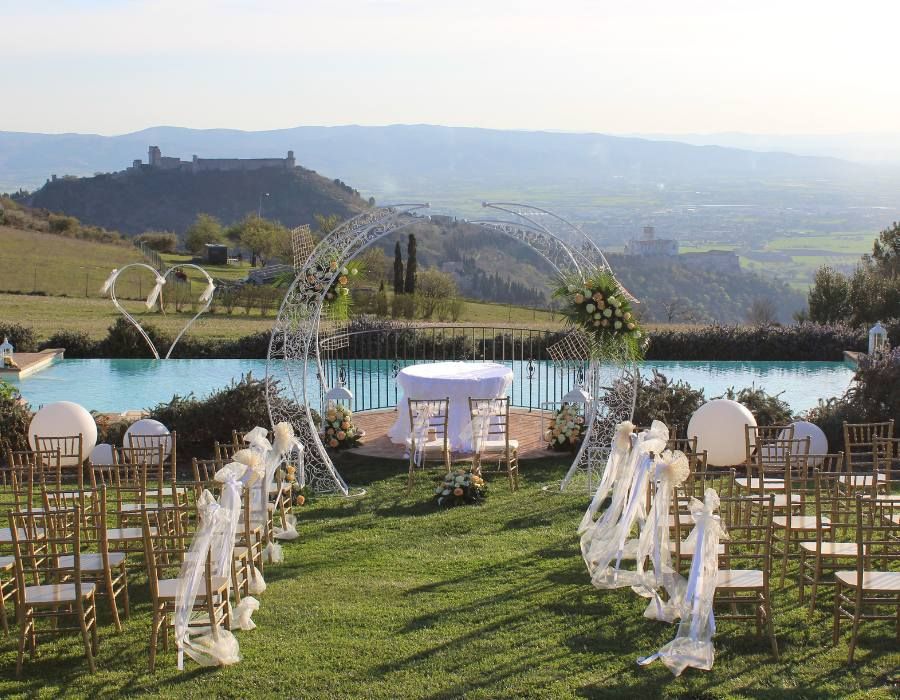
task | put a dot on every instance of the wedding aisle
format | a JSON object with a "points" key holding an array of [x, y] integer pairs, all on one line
{"points": [[387, 596]]}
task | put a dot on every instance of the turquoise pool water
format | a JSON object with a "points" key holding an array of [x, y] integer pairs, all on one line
{"points": [[120, 385]]}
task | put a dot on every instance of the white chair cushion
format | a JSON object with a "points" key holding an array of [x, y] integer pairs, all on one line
{"points": [[739, 578], [886, 581], [429, 444], [833, 549], [498, 445], [55, 593], [92, 562]]}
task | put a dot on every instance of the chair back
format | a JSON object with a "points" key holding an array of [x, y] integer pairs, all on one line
{"points": [[878, 535], [859, 442], [70, 448], [224, 451], [758, 440], [836, 503], [165, 546], [149, 448], [86, 503], [40, 540], [495, 413], [127, 482], [748, 522], [887, 459], [431, 416]]}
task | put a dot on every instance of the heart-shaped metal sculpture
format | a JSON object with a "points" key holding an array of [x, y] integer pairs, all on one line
{"points": [[109, 287]]}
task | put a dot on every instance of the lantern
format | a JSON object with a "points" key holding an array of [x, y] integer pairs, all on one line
{"points": [[878, 340], [6, 349], [335, 396]]}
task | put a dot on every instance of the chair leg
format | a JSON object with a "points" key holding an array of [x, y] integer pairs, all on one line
{"points": [[784, 557], [770, 627], [836, 623], [814, 587], [801, 583], [409, 481], [23, 633], [86, 637], [126, 603], [3, 620], [154, 639], [857, 614], [113, 607]]}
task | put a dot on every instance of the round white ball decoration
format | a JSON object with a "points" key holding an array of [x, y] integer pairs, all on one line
{"points": [[148, 426], [64, 419], [818, 443], [719, 428], [102, 454]]}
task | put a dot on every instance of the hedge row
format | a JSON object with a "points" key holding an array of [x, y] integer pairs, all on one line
{"points": [[806, 341]]}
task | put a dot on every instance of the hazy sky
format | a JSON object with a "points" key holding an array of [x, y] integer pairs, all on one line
{"points": [[786, 66]]}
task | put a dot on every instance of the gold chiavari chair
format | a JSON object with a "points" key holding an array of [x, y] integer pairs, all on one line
{"points": [[165, 544], [99, 565], [152, 461], [746, 565], [430, 417], [71, 454], [887, 464], [859, 443], [224, 451], [681, 547], [204, 473], [875, 582], [149, 448], [49, 598], [834, 545], [250, 541], [128, 485], [492, 440]]}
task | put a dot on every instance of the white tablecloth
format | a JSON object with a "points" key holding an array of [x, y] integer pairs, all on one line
{"points": [[456, 381]]}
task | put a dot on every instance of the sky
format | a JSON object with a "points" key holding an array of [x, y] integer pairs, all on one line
{"points": [[639, 66]]}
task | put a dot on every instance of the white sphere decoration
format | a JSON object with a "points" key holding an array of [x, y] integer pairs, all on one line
{"points": [[719, 428], [64, 419], [818, 443], [148, 426], [102, 454]]}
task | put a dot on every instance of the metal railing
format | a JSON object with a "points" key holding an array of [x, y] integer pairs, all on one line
{"points": [[367, 361]]}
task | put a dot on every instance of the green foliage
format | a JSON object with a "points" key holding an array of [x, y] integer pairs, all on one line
{"points": [[398, 270], [205, 229], [326, 223], [768, 409], [829, 296], [77, 344], [673, 403], [886, 251], [409, 284], [22, 337], [403, 306], [199, 422], [434, 290], [160, 241], [265, 239], [66, 225], [124, 340], [15, 417]]}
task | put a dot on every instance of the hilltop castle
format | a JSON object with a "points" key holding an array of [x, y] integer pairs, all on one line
{"points": [[157, 161]]}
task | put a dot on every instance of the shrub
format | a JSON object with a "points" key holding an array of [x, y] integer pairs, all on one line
{"points": [[673, 403], [766, 408], [124, 340], [15, 417], [160, 241], [109, 430], [21, 337], [66, 225], [77, 344], [199, 422]]}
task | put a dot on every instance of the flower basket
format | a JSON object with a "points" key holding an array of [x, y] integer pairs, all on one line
{"points": [[599, 307], [566, 429], [340, 433], [460, 488]]}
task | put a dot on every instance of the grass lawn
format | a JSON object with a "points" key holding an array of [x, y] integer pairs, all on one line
{"points": [[385, 597]]}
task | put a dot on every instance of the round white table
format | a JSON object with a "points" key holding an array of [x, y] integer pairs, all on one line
{"points": [[456, 381]]}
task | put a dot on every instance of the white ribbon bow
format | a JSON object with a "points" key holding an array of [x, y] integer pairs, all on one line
{"points": [[104, 290], [154, 293], [208, 292]]}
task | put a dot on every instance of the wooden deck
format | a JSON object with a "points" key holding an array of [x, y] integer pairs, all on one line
{"points": [[524, 426], [31, 362]]}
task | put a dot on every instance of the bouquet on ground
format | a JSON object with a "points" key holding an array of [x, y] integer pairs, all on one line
{"points": [[599, 306], [459, 488], [566, 429], [291, 487], [340, 433]]}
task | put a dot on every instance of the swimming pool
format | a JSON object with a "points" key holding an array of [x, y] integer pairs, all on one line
{"points": [[120, 385]]}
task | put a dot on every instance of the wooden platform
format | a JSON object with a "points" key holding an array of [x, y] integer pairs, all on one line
{"points": [[31, 362], [524, 426]]}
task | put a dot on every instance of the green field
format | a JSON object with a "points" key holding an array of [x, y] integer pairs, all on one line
{"points": [[386, 597]]}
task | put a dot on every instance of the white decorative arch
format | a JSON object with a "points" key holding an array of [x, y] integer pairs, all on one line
{"points": [[294, 344]]}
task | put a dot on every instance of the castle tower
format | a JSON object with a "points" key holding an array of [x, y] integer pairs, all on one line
{"points": [[290, 162], [154, 156]]}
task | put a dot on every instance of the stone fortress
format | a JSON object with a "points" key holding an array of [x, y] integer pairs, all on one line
{"points": [[157, 161]]}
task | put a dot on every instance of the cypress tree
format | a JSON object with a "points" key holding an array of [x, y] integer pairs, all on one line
{"points": [[398, 270], [410, 286]]}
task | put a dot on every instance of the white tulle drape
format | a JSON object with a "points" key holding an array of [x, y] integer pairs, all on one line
{"points": [[205, 645], [692, 646], [155, 292], [421, 421], [605, 543], [621, 448]]}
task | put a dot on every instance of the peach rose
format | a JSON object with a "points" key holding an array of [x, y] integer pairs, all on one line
{"points": [[333, 442], [341, 435], [457, 491], [579, 298], [342, 280], [301, 499]]}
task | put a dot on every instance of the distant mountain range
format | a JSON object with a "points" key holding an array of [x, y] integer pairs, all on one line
{"points": [[435, 162]]}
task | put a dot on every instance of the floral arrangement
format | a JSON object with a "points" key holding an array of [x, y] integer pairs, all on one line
{"points": [[566, 429], [340, 433], [601, 309], [337, 296], [460, 487]]}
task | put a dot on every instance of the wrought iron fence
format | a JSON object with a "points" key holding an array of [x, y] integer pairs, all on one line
{"points": [[367, 361]]}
